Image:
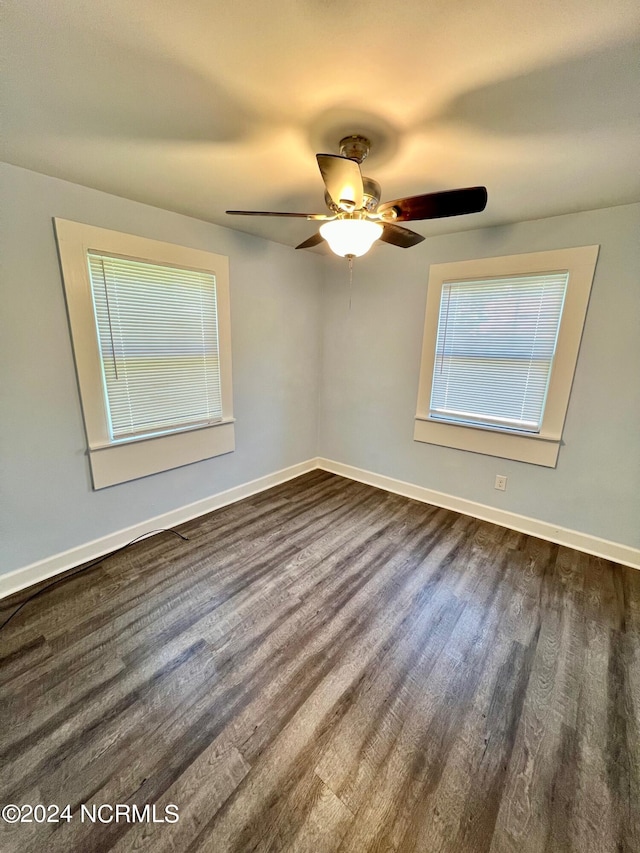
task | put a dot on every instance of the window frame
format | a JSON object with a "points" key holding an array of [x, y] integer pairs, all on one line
{"points": [[539, 448], [118, 460]]}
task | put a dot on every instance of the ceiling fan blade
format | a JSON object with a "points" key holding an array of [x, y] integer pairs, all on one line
{"points": [[343, 180], [437, 205], [312, 241], [274, 213], [399, 236]]}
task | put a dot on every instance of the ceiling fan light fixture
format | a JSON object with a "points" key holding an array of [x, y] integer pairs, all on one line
{"points": [[351, 236]]}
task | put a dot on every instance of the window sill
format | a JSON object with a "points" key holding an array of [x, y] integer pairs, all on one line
{"points": [[523, 447], [119, 442], [131, 459]]}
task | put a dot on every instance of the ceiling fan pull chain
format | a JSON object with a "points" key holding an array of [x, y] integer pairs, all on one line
{"points": [[350, 259]]}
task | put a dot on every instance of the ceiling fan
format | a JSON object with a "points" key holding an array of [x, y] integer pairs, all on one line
{"points": [[357, 218]]}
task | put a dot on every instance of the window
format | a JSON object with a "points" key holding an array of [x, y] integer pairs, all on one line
{"points": [[151, 336], [500, 348], [494, 350], [158, 337]]}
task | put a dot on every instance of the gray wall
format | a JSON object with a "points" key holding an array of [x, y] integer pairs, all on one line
{"points": [[48, 505], [296, 344], [371, 360]]}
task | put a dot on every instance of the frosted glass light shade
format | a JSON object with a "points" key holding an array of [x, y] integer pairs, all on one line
{"points": [[350, 236]]}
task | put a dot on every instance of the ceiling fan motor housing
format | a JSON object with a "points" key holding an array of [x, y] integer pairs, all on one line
{"points": [[371, 196], [372, 192]]}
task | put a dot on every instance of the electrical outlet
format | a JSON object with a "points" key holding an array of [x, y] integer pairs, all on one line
{"points": [[501, 482]]}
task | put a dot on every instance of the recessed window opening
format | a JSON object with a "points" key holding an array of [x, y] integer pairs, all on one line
{"points": [[159, 350], [495, 347]]}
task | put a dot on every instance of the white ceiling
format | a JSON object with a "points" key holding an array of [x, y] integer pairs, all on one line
{"points": [[202, 105]]}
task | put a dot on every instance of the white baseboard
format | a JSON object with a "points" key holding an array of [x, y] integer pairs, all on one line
{"points": [[50, 566], [523, 524], [42, 570]]}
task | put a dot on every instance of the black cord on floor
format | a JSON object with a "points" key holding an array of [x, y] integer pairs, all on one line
{"points": [[104, 557]]}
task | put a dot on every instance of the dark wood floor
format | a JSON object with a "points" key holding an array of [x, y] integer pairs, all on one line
{"points": [[328, 667]]}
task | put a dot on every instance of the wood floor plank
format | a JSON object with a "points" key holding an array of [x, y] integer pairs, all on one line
{"points": [[391, 813], [328, 667], [548, 714], [326, 823], [202, 790], [463, 808]]}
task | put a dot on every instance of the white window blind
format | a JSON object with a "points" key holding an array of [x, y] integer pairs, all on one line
{"points": [[495, 347], [158, 335]]}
